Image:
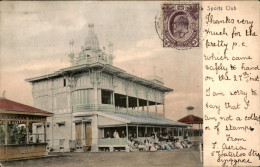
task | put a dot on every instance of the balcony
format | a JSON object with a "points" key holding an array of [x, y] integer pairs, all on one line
{"points": [[112, 108]]}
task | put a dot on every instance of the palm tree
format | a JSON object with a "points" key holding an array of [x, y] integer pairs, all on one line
{"points": [[190, 108]]}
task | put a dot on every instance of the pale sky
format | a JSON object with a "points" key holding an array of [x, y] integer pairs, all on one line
{"points": [[34, 41]]}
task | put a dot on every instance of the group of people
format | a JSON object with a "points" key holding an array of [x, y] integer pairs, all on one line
{"points": [[157, 142], [115, 134]]}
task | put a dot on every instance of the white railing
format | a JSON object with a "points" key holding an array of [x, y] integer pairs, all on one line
{"points": [[112, 108], [112, 142]]}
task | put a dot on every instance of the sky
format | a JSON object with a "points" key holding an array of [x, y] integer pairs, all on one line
{"points": [[34, 41]]}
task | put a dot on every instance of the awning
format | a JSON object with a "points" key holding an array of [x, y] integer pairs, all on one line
{"points": [[138, 120]]}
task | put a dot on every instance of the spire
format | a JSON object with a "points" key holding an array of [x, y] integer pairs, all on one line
{"points": [[91, 41]]}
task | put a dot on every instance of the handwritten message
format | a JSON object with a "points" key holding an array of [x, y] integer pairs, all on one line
{"points": [[231, 72]]}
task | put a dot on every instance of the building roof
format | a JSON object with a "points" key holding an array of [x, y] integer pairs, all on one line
{"points": [[12, 107], [191, 119], [106, 68], [146, 120]]}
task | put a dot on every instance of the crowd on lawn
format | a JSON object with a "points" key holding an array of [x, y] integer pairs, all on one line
{"points": [[157, 142]]}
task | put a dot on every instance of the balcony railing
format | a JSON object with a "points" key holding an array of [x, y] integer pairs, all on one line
{"points": [[112, 142], [112, 108]]}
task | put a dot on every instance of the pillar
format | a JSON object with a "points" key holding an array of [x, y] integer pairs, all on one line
{"points": [[114, 102], [126, 131], [147, 102], [127, 102], [94, 129], [136, 131], [156, 108], [6, 134], [113, 98], [137, 101]]}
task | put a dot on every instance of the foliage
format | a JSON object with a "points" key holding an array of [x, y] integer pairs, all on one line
{"points": [[16, 134]]}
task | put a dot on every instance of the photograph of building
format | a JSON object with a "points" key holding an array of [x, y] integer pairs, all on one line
{"points": [[92, 99]]}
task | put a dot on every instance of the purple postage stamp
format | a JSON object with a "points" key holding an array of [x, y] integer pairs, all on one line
{"points": [[180, 25]]}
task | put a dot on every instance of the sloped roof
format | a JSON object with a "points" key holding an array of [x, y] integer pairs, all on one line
{"points": [[191, 119], [107, 68], [146, 120], [8, 106]]}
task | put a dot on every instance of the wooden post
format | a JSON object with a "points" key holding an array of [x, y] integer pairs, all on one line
{"points": [[27, 130], [126, 131], [136, 131], [6, 133], [127, 102], [156, 108], [114, 102]]}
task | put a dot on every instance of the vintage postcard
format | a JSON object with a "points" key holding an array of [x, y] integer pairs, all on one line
{"points": [[135, 83]]}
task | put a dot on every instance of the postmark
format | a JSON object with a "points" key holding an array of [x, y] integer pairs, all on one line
{"points": [[180, 25]]}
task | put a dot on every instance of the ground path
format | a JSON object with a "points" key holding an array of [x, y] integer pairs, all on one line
{"points": [[163, 158]]}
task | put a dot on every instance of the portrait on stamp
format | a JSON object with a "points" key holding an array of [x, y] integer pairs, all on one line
{"points": [[180, 25]]}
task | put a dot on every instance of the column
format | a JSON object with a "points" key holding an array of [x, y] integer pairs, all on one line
{"points": [[6, 124], [114, 102], [126, 131], [137, 101], [136, 131], [127, 102], [147, 103], [156, 108], [113, 98], [94, 129]]}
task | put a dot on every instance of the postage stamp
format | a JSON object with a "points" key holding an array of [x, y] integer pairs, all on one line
{"points": [[180, 25]]}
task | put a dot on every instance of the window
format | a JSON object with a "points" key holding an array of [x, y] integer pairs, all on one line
{"points": [[106, 97], [180, 132], [64, 83], [175, 131], [141, 131], [149, 131]]}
